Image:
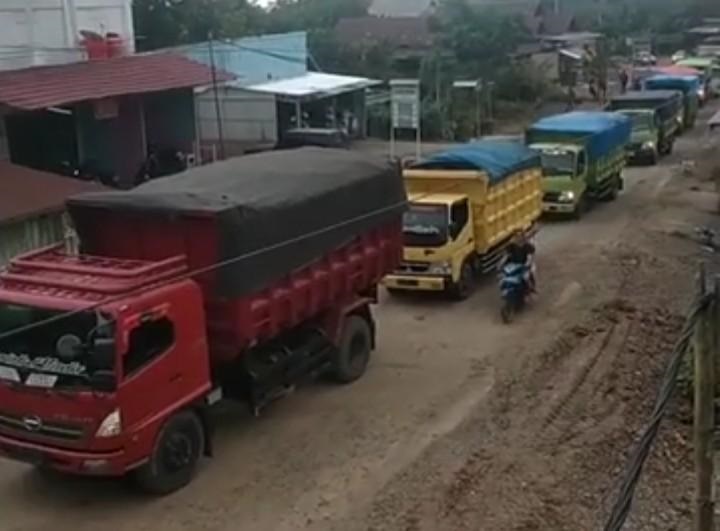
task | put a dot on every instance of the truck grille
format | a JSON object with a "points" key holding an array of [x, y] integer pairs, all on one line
{"points": [[551, 197], [413, 268], [38, 427]]}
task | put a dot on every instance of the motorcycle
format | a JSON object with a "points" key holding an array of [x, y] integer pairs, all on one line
{"points": [[513, 290]]}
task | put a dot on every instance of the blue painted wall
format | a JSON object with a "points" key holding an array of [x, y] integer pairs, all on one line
{"points": [[257, 60]]}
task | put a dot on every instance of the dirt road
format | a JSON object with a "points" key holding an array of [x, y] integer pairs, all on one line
{"points": [[461, 422]]}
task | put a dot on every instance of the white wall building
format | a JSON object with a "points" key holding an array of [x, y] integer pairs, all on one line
{"points": [[41, 32]]}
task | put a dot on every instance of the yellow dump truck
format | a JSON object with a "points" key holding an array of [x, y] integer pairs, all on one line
{"points": [[465, 205]]}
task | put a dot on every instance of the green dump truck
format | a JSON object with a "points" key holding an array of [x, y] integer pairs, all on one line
{"points": [[583, 156], [688, 85], [656, 119]]}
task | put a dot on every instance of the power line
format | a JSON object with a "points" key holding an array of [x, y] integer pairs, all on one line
{"points": [[621, 507]]}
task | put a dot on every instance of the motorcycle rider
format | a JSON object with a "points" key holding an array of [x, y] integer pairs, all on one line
{"points": [[521, 251]]}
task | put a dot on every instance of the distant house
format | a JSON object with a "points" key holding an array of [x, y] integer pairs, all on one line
{"points": [[408, 33], [103, 114], [273, 88], [404, 25], [32, 206]]}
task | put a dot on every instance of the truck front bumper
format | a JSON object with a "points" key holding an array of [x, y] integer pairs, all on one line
{"points": [[111, 463], [558, 208], [416, 282], [639, 153]]}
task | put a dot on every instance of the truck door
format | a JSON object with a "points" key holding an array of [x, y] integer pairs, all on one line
{"points": [[459, 220], [581, 165], [164, 365]]}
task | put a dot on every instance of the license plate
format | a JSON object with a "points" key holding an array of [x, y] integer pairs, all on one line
{"points": [[44, 381], [408, 282]]}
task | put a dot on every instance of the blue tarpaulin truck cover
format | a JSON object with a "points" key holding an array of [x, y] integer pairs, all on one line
{"points": [[499, 159], [600, 132], [686, 84]]}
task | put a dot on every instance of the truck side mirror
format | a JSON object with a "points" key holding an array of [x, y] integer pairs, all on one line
{"points": [[102, 354]]}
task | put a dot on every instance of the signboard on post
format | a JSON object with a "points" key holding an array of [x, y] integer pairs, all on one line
{"points": [[405, 110]]}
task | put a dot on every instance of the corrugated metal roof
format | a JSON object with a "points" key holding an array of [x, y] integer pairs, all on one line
{"points": [[25, 192], [314, 84], [42, 87]]}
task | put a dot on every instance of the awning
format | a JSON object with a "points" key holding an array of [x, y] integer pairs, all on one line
{"points": [[574, 54], [50, 86], [313, 86]]}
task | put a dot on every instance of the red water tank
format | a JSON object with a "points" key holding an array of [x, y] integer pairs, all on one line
{"points": [[115, 45], [95, 45]]}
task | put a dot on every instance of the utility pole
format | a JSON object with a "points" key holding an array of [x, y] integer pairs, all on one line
{"points": [[218, 111], [704, 350]]}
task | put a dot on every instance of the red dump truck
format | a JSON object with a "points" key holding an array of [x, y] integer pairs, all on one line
{"points": [[239, 279]]}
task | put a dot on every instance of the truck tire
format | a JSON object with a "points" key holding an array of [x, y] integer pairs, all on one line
{"points": [[354, 350], [580, 209], [174, 461], [463, 288], [614, 189]]}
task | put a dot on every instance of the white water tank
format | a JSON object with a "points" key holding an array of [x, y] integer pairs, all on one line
{"points": [[40, 32]]}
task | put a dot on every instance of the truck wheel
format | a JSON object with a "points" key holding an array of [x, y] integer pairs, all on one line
{"points": [[580, 209], [354, 350], [463, 288], [177, 452], [614, 190]]}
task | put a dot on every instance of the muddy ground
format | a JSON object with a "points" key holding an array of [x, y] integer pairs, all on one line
{"points": [[461, 422]]}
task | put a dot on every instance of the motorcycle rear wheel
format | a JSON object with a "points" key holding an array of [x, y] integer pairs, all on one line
{"points": [[506, 312]]}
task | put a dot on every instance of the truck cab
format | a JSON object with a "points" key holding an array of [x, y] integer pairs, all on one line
{"points": [[93, 361], [647, 140], [564, 182], [438, 238]]}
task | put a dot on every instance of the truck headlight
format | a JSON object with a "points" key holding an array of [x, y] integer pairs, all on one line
{"points": [[440, 268], [648, 146], [111, 426], [568, 196]]}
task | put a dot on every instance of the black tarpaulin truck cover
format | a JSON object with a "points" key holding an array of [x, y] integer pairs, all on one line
{"points": [[284, 208]]}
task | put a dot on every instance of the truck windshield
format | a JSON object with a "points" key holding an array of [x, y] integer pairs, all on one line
{"points": [[426, 226], [641, 121], [558, 163], [56, 353]]}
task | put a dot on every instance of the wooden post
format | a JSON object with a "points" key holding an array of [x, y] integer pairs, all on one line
{"points": [[703, 425]]}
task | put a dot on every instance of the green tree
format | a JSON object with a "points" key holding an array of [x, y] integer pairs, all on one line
{"points": [[162, 23], [295, 15], [479, 40]]}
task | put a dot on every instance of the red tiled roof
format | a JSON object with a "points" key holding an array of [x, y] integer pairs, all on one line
{"points": [[49, 86], [25, 192]]}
